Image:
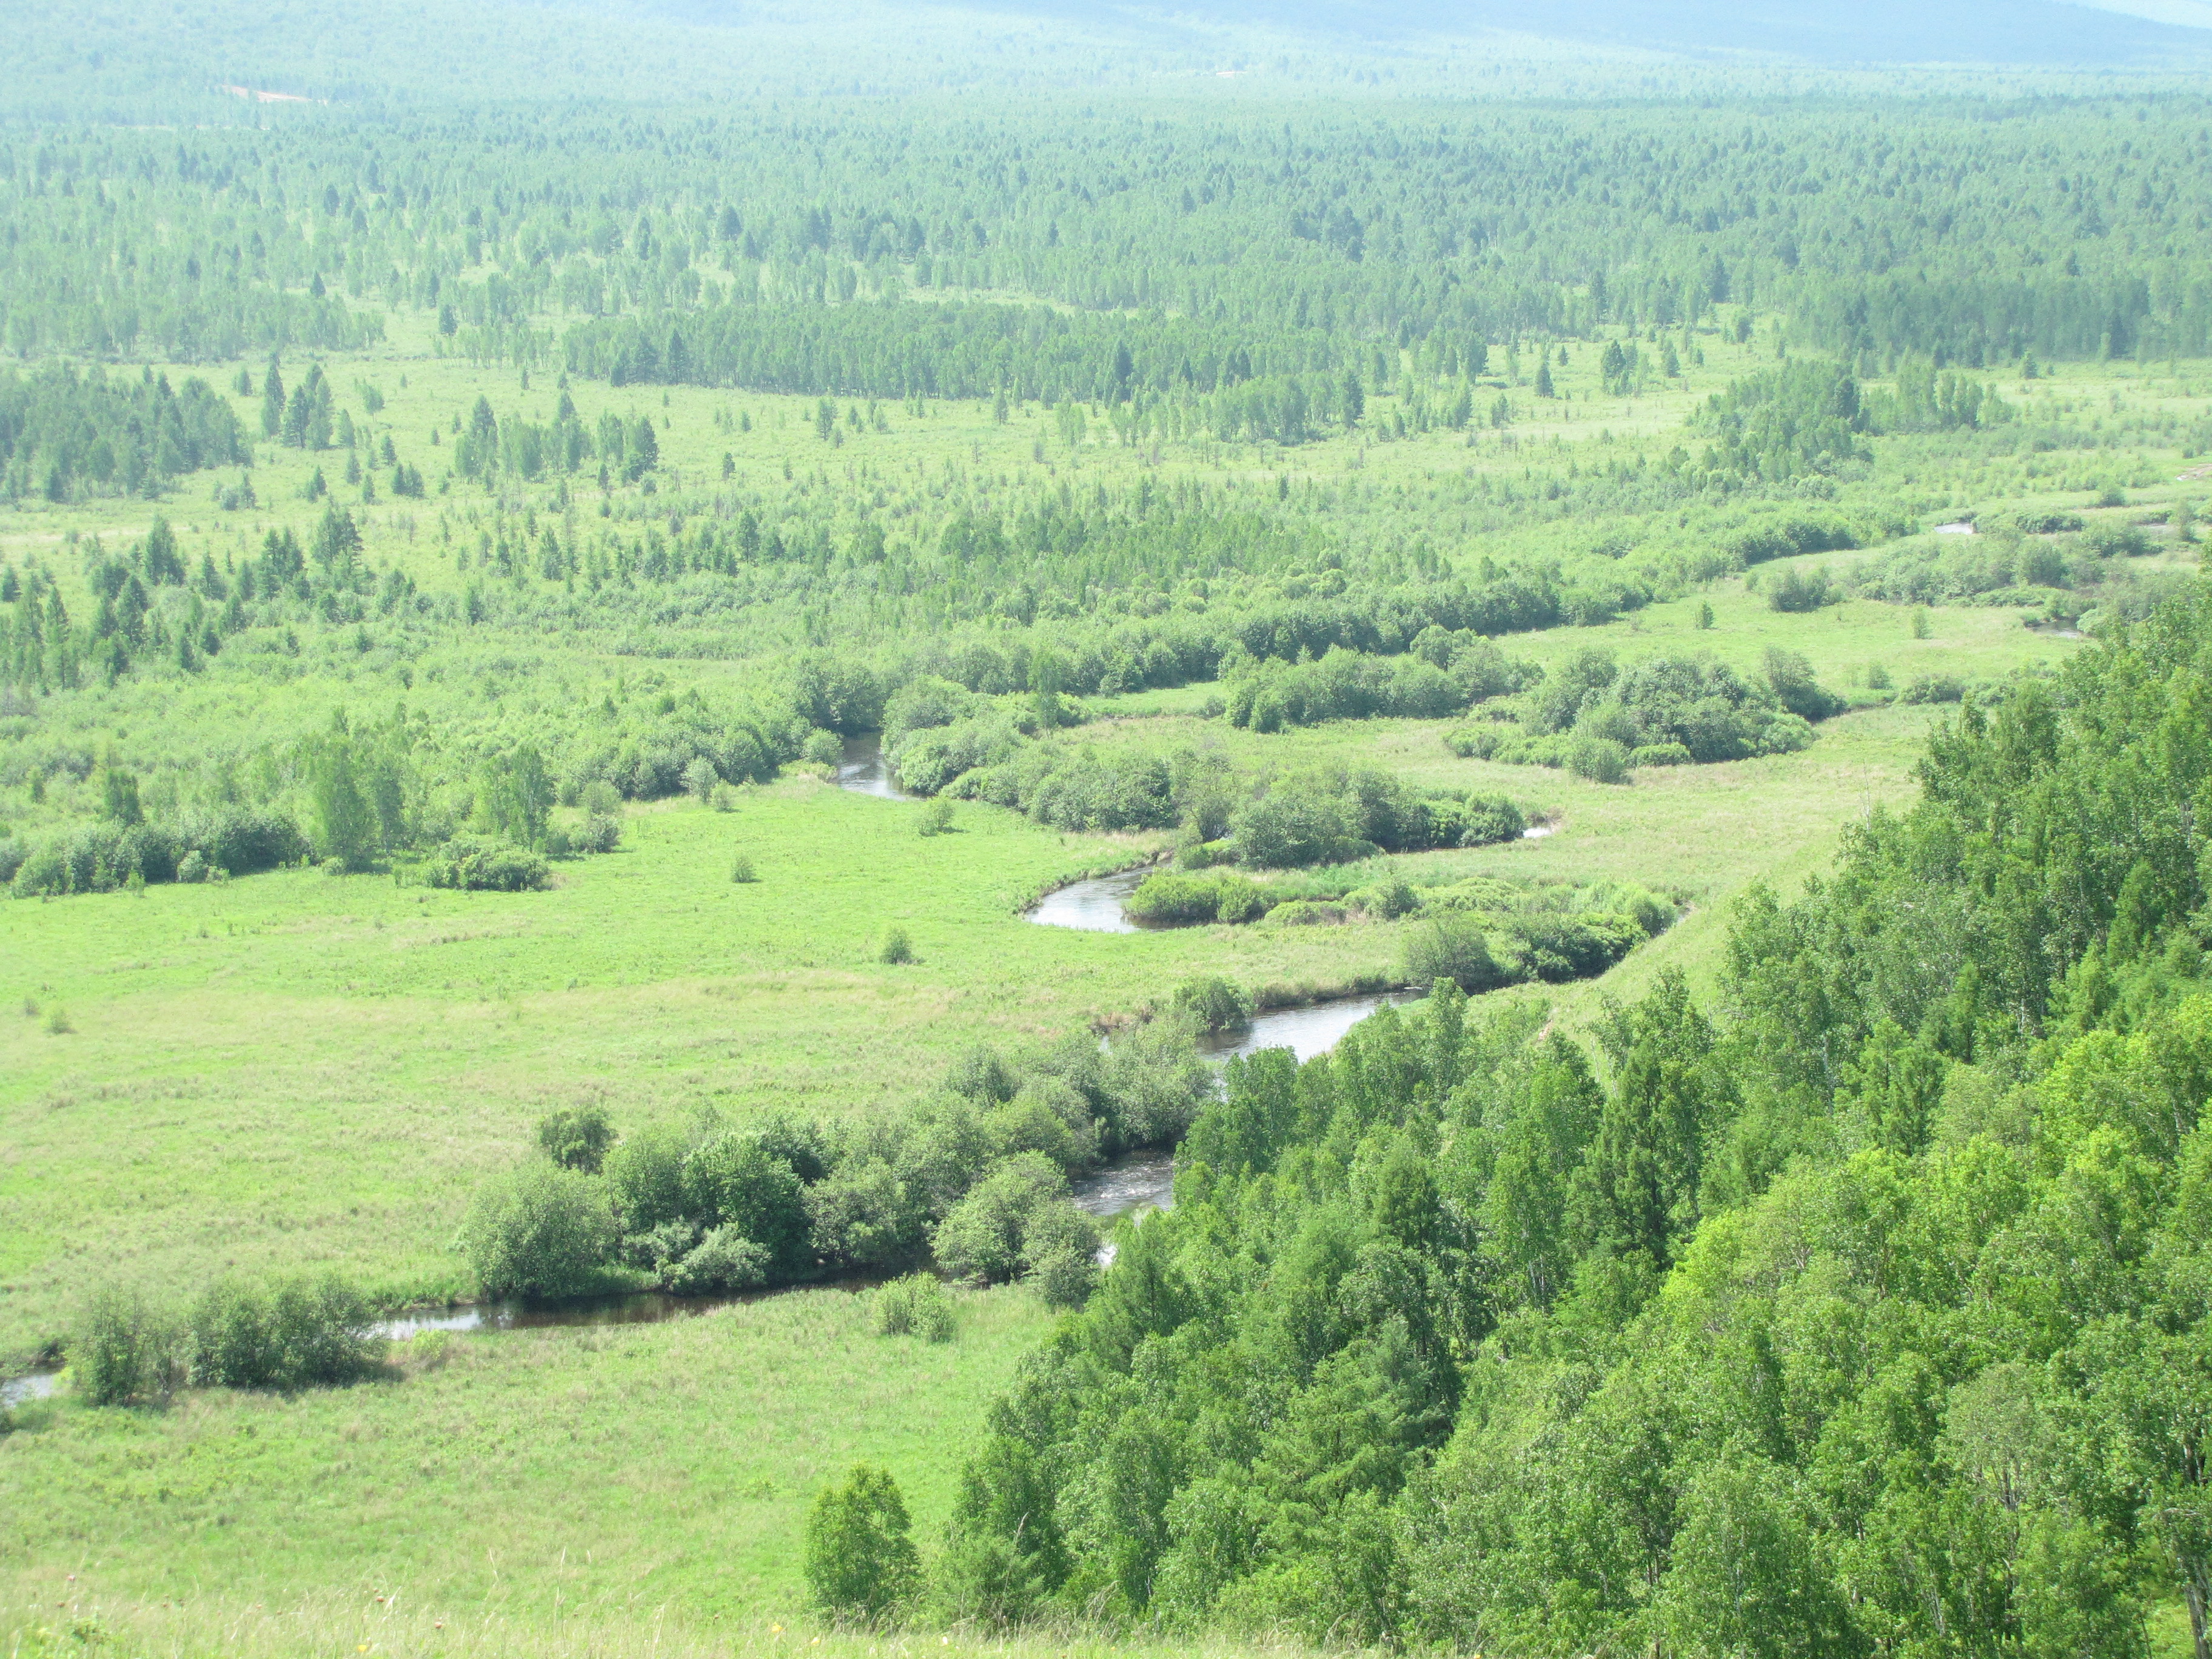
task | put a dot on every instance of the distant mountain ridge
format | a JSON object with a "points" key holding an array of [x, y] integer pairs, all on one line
{"points": [[2043, 33]]}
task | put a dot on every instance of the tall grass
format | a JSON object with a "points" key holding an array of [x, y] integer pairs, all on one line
{"points": [[346, 1625]]}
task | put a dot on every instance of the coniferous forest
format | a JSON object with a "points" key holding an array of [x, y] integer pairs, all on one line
{"points": [[1146, 832]]}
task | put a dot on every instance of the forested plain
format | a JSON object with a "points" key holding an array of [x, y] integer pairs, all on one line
{"points": [[1698, 595]]}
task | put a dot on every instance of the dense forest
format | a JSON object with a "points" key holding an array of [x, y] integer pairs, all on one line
{"points": [[1858, 1308], [1128, 255]]}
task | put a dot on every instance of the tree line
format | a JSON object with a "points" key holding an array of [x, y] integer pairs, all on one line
{"points": [[1873, 223]]}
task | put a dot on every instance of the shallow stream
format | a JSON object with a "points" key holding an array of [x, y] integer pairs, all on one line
{"points": [[865, 772]]}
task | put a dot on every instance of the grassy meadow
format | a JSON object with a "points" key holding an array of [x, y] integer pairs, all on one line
{"points": [[317, 1070], [294, 1069], [613, 1474]]}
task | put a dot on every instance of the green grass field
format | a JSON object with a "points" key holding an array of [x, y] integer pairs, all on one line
{"points": [[290, 1068], [293, 1070], [525, 1476]]}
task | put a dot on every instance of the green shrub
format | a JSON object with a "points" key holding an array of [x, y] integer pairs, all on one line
{"points": [[1305, 913], [896, 948], [659, 1250], [1213, 1003], [600, 832], [1047, 1116], [1477, 742], [738, 1180], [539, 1229], [1659, 754], [1601, 760], [742, 872], [1789, 675], [244, 841], [1491, 819], [1564, 948], [1193, 853], [124, 1350], [1452, 947], [915, 1305], [823, 748], [1387, 900], [1795, 591], [577, 1137], [1060, 1256], [723, 1260], [1065, 1278], [862, 1215], [1933, 688], [1169, 898], [2117, 541], [477, 863], [860, 1561], [936, 818], [645, 1178], [988, 1235], [1293, 828], [299, 1333]]}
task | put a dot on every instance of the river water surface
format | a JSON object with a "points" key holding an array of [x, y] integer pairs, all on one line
{"points": [[865, 772], [1304, 1032], [1097, 905], [32, 1385]]}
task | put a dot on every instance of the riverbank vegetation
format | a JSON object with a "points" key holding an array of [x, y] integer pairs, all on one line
{"points": [[974, 1176]]}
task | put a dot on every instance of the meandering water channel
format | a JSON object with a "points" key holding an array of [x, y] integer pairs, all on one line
{"points": [[1140, 1181], [1143, 1180], [1098, 904]]}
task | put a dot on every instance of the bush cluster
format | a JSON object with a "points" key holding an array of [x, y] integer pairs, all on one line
{"points": [[1596, 719], [480, 864], [1171, 898], [99, 858], [1441, 674], [1212, 1003], [297, 1333], [975, 1173], [916, 1304]]}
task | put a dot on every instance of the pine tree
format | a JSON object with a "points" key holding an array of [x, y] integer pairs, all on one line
{"points": [[273, 402]]}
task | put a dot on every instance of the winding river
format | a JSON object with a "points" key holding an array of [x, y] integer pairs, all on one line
{"points": [[1098, 904], [1142, 1180]]}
